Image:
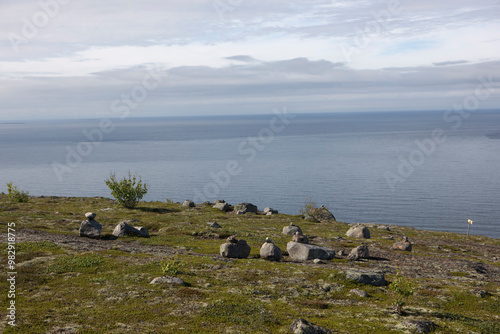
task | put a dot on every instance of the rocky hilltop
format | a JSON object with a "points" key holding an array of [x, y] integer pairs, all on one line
{"points": [[222, 268]]}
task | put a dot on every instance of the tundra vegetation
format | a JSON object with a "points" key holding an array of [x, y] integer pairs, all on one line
{"points": [[70, 284]]}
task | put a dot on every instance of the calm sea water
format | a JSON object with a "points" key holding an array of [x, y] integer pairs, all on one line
{"points": [[428, 170]]}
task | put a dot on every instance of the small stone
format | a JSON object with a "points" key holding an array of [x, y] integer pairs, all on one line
{"points": [[221, 205], [124, 229], [299, 237], [90, 215], [419, 326], [480, 293], [317, 261], [240, 212], [359, 292], [214, 225], [301, 326]]}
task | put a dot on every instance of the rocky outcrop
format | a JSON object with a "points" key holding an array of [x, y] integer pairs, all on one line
{"points": [[303, 252], [358, 231], [234, 248], [321, 214], [90, 228], [301, 326], [245, 208], [124, 229], [269, 251]]}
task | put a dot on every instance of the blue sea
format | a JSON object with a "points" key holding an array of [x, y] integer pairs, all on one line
{"points": [[431, 170]]}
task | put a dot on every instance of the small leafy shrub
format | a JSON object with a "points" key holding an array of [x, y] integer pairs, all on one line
{"points": [[172, 266], [128, 191], [310, 208], [15, 195], [400, 291]]}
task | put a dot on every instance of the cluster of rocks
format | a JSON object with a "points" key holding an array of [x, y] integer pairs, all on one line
{"points": [[239, 209], [91, 228]]}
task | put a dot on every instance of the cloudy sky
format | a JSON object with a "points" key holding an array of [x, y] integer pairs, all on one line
{"points": [[92, 59]]}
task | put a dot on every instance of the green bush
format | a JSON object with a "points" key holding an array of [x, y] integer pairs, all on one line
{"points": [[128, 191], [16, 195], [172, 266]]}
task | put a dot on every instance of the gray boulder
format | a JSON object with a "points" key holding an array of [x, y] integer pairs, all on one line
{"points": [[234, 248], [188, 204], [269, 251], [124, 229], [301, 326], [360, 252], [168, 280], [321, 214], [303, 252], [291, 229], [366, 277], [221, 205], [91, 228], [358, 231], [245, 207], [404, 245], [270, 211]]}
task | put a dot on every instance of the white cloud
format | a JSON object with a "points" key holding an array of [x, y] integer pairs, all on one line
{"points": [[290, 49]]}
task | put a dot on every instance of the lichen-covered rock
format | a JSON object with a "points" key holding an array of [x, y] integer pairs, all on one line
{"points": [[358, 231], [321, 214], [291, 229], [245, 207], [270, 211], [221, 205], [124, 229], [188, 204], [301, 326], [269, 251], [404, 245], [303, 252], [359, 292], [237, 249], [168, 280], [91, 229]]}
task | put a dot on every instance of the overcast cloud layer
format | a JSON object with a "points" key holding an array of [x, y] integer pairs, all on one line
{"points": [[92, 59]]}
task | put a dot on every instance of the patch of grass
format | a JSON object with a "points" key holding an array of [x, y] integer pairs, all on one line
{"points": [[459, 274], [75, 263]]}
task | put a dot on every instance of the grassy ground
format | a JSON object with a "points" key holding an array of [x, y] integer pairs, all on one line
{"points": [[68, 284]]}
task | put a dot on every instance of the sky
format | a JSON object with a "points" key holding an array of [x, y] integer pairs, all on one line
{"points": [[75, 59]]}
